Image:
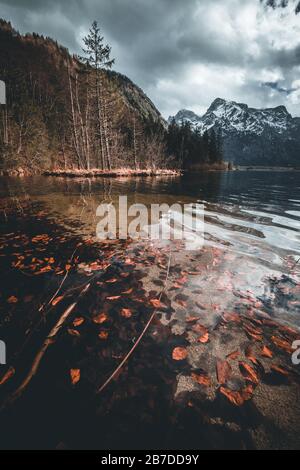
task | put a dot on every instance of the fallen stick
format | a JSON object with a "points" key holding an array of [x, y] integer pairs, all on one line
{"points": [[48, 341], [61, 284], [113, 375]]}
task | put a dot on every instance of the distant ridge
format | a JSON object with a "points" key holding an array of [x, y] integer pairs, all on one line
{"points": [[268, 136]]}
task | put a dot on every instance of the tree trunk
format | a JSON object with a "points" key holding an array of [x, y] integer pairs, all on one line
{"points": [[83, 145], [106, 137], [99, 115], [87, 125], [74, 123], [19, 149], [134, 143]]}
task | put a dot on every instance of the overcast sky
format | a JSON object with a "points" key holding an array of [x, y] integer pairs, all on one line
{"points": [[184, 53]]}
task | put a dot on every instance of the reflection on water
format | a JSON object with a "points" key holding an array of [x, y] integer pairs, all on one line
{"points": [[251, 213], [254, 216]]}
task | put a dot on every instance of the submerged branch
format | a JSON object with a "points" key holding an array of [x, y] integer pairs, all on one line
{"points": [[48, 341], [117, 370]]}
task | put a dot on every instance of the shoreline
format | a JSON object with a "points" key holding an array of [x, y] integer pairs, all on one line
{"points": [[123, 172], [266, 168], [128, 172]]}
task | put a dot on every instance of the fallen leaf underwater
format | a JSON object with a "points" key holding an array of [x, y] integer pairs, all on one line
{"points": [[199, 365]]}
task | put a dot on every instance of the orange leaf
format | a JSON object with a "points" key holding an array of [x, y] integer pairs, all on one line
{"points": [[73, 332], [202, 330], [177, 286], [204, 338], [10, 373], [179, 354], [254, 331], [233, 396], [247, 392], [234, 355], [254, 336], [129, 291], [231, 317], [103, 334], [101, 318], [238, 398], [279, 370], [45, 269], [124, 275], [282, 344], [78, 321], [75, 376], [156, 303], [266, 352], [112, 281], [201, 379], [12, 300], [223, 371], [288, 330], [250, 355], [115, 297], [249, 373], [182, 280], [57, 300], [126, 313], [162, 266]]}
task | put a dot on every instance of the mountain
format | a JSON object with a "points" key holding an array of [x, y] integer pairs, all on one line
{"points": [[50, 119], [282, 4], [251, 136]]}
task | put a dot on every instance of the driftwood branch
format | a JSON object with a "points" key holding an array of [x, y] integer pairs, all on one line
{"points": [[42, 307], [117, 370], [48, 341]]}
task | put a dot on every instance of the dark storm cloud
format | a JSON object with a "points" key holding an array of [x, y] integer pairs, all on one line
{"points": [[183, 53], [276, 86]]}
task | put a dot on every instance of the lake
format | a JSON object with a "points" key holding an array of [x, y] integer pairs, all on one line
{"points": [[254, 216], [220, 343]]}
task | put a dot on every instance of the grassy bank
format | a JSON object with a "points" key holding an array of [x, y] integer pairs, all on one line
{"points": [[111, 173]]}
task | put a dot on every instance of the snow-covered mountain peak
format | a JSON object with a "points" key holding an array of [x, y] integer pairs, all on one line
{"points": [[269, 136], [184, 115], [232, 116]]}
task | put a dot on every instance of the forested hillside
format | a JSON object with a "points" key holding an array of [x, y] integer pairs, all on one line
{"points": [[68, 112], [191, 149], [64, 113]]}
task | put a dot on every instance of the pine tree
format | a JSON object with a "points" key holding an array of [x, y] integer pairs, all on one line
{"points": [[206, 147], [97, 56], [213, 151], [219, 142]]}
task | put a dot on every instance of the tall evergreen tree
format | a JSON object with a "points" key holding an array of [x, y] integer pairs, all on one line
{"points": [[219, 141], [97, 56], [213, 151]]}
